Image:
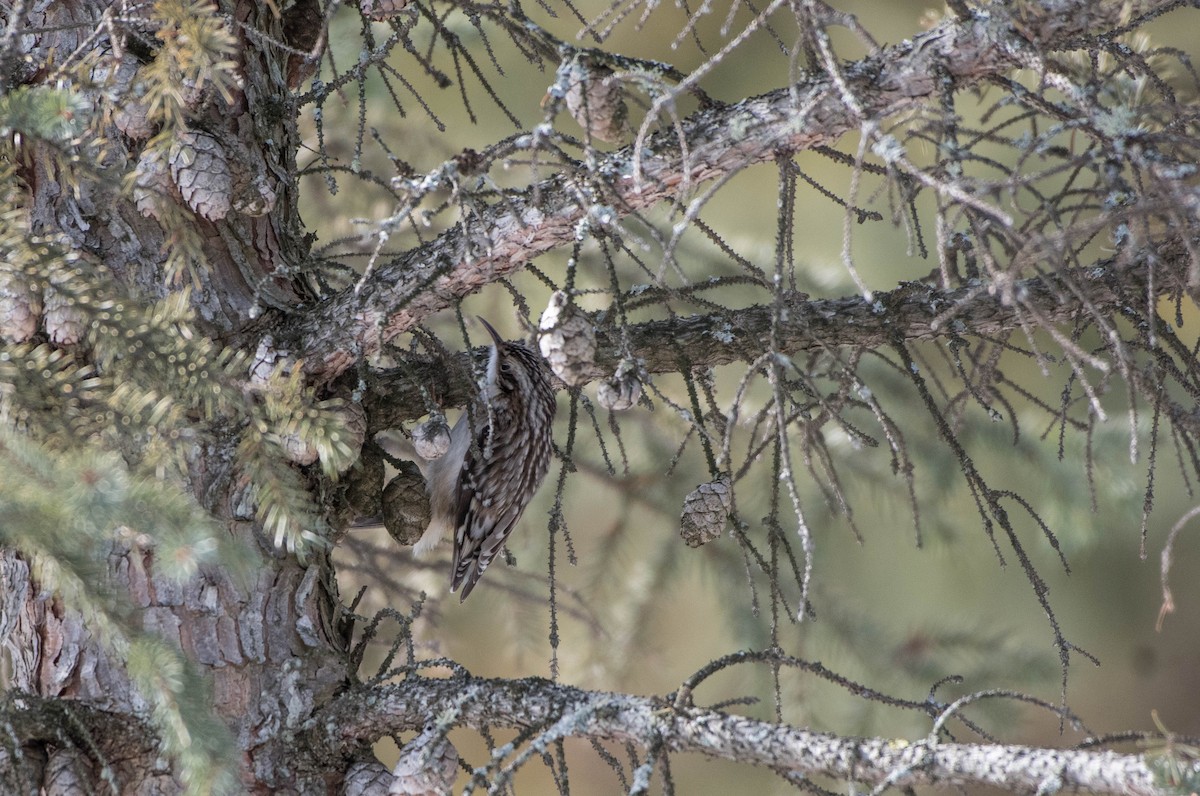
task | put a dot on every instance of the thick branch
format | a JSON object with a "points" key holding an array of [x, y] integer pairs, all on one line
{"points": [[360, 717], [720, 142], [913, 311]]}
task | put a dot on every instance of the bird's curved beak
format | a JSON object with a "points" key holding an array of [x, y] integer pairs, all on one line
{"points": [[495, 335]]}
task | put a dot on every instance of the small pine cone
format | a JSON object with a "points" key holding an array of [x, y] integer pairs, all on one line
{"points": [[705, 512], [366, 778], [428, 765], [595, 98], [130, 114], [65, 324], [132, 118], [200, 169], [20, 307], [405, 505], [364, 484], [432, 438], [151, 184], [355, 429], [621, 391], [381, 10], [567, 339], [297, 450]]}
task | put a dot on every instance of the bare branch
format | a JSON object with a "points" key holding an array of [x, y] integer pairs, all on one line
{"points": [[538, 705], [913, 311]]}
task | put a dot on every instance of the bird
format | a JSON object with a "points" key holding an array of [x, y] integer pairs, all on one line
{"points": [[480, 487]]}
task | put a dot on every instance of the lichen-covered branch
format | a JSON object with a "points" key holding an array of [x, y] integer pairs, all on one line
{"points": [[721, 141], [556, 710], [913, 311]]}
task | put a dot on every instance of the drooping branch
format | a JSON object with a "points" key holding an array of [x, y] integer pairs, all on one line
{"points": [[913, 311], [721, 141], [556, 711]]}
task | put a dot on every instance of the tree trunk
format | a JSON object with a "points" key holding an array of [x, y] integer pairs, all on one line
{"points": [[269, 647], [267, 651]]}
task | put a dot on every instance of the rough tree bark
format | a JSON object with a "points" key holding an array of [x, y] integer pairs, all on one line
{"points": [[270, 647]]}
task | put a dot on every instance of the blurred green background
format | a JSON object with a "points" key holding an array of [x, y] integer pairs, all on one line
{"points": [[889, 614]]}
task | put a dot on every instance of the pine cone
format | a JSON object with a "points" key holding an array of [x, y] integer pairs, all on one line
{"points": [[595, 99], [200, 169], [364, 485], [355, 430], [567, 339], [432, 438], [151, 184], [705, 512], [623, 390], [381, 10], [427, 766], [405, 505], [20, 306], [64, 321]]}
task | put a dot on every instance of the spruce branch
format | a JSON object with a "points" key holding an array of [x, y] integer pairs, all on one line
{"points": [[540, 707], [720, 141], [913, 311]]}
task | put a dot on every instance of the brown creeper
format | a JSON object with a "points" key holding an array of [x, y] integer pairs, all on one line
{"points": [[480, 487]]}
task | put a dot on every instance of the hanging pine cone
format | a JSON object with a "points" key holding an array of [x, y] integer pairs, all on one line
{"points": [[200, 169], [151, 184], [364, 485], [381, 10], [622, 390], [406, 505], [705, 512], [65, 322], [20, 305], [427, 766], [354, 433], [567, 339], [297, 450], [595, 98], [130, 113], [432, 438]]}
